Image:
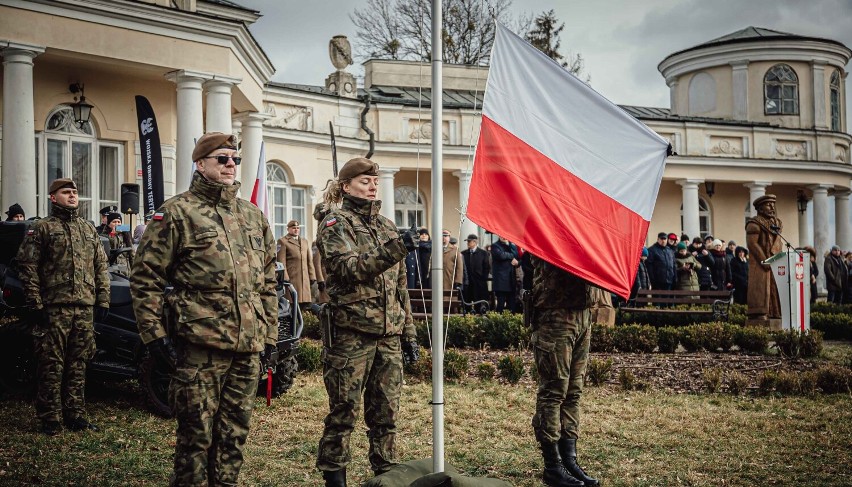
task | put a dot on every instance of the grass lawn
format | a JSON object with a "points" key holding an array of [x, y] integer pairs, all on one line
{"points": [[628, 438]]}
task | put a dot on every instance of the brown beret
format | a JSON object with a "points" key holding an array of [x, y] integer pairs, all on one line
{"points": [[763, 199], [356, 167], [292, 223], [210, 142], [60, 183]]}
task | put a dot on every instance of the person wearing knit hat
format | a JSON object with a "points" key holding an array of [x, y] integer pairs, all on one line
{"points": [[660, 263], [15, 214], [720, 267], [119, 240], [686, 265]]}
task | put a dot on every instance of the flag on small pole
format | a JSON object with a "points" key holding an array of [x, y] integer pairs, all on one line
{"points": [[562, 171], [258, 193]]}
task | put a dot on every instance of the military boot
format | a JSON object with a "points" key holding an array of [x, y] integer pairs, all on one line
{"points": [[335, 478], [80, 424], [568, 452], [50, 428], [555, 474]]}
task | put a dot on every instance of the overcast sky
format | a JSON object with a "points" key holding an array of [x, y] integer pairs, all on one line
{"points": [[622, 41]]}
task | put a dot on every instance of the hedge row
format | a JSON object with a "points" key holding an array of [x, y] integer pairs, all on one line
{"points": [[499, 331]]}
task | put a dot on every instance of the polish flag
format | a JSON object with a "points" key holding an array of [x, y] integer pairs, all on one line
{"points": [[560, 170], [258, 193]]}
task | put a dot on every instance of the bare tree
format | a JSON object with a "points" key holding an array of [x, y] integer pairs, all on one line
{"points": [[544, 35]]}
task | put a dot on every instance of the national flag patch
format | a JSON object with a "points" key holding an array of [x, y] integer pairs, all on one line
{"points": [[331, 222], [158, 215], [30, 232]]}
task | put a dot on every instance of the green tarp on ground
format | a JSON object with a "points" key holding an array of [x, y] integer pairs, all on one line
{"points": [[418, 473]]}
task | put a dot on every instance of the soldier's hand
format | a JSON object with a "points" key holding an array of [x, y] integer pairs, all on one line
{"points": [[163, 351], [408, 239], [410, 352], [313, 281], [101, 314], [321, 286], [266, 356]]}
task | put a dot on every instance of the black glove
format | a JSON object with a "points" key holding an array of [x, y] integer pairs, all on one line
{"points": [[410, 352], [410, 241], [101, 314], [313, 281], [164, 352], [36, 316], [266, 357], [321, 286]]}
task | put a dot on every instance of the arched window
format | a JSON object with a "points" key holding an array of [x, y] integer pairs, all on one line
{"points": [[74, 151], [835, 101], [781, 91], [285, 201], [408, 207], [705, 220]]}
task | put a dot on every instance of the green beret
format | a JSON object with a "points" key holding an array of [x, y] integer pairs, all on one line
{"points": [[212, 141], [60, 183], [356, 167]]}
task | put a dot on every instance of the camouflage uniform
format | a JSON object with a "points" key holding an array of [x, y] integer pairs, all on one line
{"points": [[561, 331], [363, 257], [219, 254], [63, 269]]}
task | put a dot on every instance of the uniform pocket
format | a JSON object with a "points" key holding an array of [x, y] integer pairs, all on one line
{"points": [[546, 358], [184, 396], [336, 375]]}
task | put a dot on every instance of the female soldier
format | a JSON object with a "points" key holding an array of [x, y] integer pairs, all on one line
{"points": [[368, 312]]}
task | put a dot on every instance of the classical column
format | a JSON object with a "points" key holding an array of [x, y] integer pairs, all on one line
{"points": [[841, 219], [19, 184], [820, 115], [386, 175], [252, 137], [691, 223], [755, 191], [804, 228], [821, 243], [740, 89], [467, 226], [237, 130], [219, 103], [190, 122], [672, 84]]}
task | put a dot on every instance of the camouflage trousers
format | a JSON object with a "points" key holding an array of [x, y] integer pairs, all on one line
{"points": [[561, 348], [212, 393], [359, 365], [63, 345]]}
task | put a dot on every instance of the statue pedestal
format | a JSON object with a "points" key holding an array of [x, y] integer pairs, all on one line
{"points": [[771, 324], [342, 84]]}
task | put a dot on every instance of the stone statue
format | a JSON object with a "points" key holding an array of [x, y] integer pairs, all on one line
{"points": [[764, 241], [340, 82], [340, 52]]}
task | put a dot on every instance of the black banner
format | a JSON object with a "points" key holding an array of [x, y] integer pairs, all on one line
{"points": [[152, 156]]}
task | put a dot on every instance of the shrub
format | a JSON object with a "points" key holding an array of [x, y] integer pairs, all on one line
{"points": [[835, 326], [667, 339], [602, 340], [463, 331], [752, 339], [712, 380], [714, 336], [627, 379], [833, 379], [423, 336], [485, 371], [808, 382], [455, 365], [310, 326], [598, 371], [659, 320], [737, 383], [791, 343], [689, 338], [635, 338], [503, 330], [422, 369], [768, 381], [825, 307], [788, 383], [511, 368], [308, 356]]}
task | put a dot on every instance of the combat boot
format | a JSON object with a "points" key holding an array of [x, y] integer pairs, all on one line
{"points": [[50, 428], [555, 474], [334, 478], [80, 424], [568, 452]]}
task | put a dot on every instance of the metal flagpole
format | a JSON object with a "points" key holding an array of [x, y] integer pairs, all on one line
{"points": [[437, 250]]}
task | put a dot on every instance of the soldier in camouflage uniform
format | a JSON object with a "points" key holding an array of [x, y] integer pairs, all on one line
{"points": [[219, 254], [561, 330], [63, 270], [368, 328]]}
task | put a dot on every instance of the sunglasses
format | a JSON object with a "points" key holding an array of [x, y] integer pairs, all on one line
{"points": [[223, 159]]}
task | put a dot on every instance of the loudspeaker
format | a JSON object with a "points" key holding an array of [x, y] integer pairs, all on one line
{"points": [[129, 199]]}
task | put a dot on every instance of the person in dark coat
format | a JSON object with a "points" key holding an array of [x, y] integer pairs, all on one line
{"points": [[739, 275], [721, 269], [15, 213], [642, 281], [814, 272], [835, 275], [702, 255], [660, 264], [504, 259], [477, 265], [424, 257]]}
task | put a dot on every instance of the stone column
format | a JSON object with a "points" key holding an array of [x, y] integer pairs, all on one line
{"points": [[190, 123], [219, 103], [755, 191], [237, 130], [386, 175], [19, 183], [252, 137], [691, 223], [672, 84], [841, 219], [467, 226], [740, 89], [804, 228], [821, 243], [820, 98]]}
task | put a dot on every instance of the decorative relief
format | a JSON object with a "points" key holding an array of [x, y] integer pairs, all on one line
{"points": [[289, 117], [840, 152], [423, 131], [726, 146], [791, 149]]}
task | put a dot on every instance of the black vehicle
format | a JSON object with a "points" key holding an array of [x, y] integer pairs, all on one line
{"points": [[120, 352]]}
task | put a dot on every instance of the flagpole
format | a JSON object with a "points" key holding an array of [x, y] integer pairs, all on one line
{"points": [[437, 251]]}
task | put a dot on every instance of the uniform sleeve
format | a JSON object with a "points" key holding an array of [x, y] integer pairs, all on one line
{"points": [[150, 274], [337, 246], [409, 332], [28, 259], [282, 256], [269, 296], [102, 285]]}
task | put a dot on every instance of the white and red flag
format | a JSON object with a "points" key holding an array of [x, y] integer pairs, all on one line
{"points": [[560, 170], [258, 193]]}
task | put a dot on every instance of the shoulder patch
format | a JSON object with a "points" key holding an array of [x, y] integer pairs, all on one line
{"points": [[30, 231], [330, 222], [159, 215]]}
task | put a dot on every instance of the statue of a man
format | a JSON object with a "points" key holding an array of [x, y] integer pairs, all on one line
{"points": [[763, 240]]}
